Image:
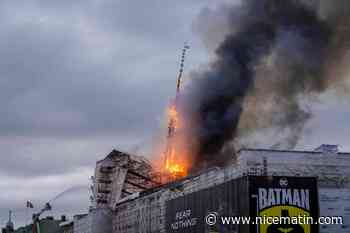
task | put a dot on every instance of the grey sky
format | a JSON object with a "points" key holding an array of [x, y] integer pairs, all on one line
{"points": [[78, 78]]}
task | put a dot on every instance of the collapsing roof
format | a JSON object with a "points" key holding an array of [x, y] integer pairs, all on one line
{"points": [[119, 175]]}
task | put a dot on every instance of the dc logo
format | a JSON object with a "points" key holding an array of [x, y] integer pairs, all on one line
{"points": [[283, 182]]}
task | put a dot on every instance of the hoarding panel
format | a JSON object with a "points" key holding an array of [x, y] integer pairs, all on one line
{"points": [[289, 197], [187, 214], [247, 196]]}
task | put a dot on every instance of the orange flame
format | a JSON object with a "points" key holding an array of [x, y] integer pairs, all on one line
{"points": [[173, 116], [176, 165]]}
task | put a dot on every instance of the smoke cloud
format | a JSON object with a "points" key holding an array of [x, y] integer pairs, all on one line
{"points": [[276, 57]]}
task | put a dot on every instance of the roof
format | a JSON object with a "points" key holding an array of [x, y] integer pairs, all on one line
{"points": [[178, 183], [115, 153], [172, 185], [67, 223], [288, 151], [79, 216]]}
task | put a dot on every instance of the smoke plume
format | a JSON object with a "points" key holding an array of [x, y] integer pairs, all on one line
{"points": [[275, 57]]}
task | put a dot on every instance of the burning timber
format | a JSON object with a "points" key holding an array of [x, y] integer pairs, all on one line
{"points": [[318, 183], [119, 175]]}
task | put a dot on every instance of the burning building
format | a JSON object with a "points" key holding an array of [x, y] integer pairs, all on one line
{"points": [[133, 172], [272, 61], [314, 183], [275, 55], [117, 176], [324, 172]]}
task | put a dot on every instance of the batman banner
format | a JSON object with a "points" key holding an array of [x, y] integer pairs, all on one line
{"points": [[284, 204]]}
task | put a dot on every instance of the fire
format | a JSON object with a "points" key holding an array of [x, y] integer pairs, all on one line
{"points": [[176, 169], [172, 112], [173, 117], [175, 165]]}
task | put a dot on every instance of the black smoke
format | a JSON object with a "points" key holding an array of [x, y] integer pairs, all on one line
{"points": [[273, 58]]}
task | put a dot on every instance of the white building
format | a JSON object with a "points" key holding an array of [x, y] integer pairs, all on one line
{"points": [[145, 212]]}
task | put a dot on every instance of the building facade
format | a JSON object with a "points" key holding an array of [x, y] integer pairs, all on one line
{"points": [[96, 221], [82, 223], [145, 212]]}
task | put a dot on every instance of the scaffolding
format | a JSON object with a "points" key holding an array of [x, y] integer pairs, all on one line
{"points": [[119, 175]]}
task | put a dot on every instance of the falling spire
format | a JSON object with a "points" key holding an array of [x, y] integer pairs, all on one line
{"points": [[182, 64], [170, 157]]}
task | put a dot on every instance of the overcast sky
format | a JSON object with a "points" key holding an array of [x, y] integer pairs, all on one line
{"points": [[78, 78]]}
